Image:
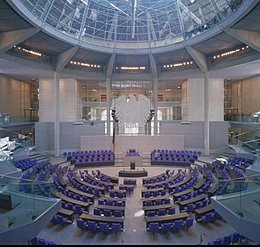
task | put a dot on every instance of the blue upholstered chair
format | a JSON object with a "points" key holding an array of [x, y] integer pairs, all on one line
{"points": [[81, 224], [116, 228], [153, 227], [92, 227], [103, 227], [166, 227], [187, 223]]}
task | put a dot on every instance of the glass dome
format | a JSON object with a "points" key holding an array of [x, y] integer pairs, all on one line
{"points": [[137, 23]]}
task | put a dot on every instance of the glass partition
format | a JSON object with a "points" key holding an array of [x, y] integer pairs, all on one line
{"points": [[23, 201], [241, 196]]}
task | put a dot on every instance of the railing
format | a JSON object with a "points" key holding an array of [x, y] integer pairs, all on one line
{"points": [[25, 207], [242, 197]]}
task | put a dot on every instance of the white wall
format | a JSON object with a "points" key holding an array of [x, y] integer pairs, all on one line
{"points": [[68, 100]]}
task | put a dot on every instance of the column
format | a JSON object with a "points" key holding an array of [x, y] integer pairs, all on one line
{"points": [[57, 115], [206, 113]]}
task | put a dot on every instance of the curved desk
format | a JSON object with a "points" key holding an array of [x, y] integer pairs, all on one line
{"points": [[131, 173]]}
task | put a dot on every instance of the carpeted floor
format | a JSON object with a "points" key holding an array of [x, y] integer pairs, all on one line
{"points": [[135, 227]]}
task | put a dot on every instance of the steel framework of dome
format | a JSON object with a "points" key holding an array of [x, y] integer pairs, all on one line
{"points": [[130, 23]]}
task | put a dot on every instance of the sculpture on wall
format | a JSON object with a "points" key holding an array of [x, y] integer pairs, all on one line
{"points": [[129, 112]]}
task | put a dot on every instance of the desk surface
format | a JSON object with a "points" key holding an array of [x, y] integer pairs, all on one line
{"points": [[181, 193], [81, 181], [94, 179], [65, 211], [80, 192], [111, 207], [167, 218], [201, 211], [74, 201], [156, 207], [153, 189], [151, 198], [99, 218], [185, 180], [112, 198], [192, 200], [113, 180], [164, 181]]}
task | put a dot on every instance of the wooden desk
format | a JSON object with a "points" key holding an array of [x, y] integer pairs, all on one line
{"points": [[111, 185], [151, 190], [112, 208], [113, 180], [164, 181], [157, 207], [166, 218], [133, 173], [114, 199], [153, 199], [81, 181], [184, 181], [86, 205], [202, 211], [199, 183], [82, 193], [149, 178], [67, 213], [182, 204], [177, 195], [99, 218]]}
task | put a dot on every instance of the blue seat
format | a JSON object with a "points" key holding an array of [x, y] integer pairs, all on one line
{"points": [[155, 193], [81, 224], [129, 190], [153, 227], [158, 202], [161, 211], [120, 194], [215, 216], [150, 213], [206, 218], [146, 194], [103, 227], [116, 228], [226, 240], [119, 203], [110, 202], [235, 237], [171, 210], [107, 212], [97, 211], [176, 225], [166, 227], [79, 209], [148, 203], [118, 213], [101, 202], [112, 193], [187, 223], [167, 200], [92, 227], [188, 207], [61, 219]]}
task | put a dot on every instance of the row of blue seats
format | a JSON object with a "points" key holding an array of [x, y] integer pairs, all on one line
{"points": [[232, 238], [41, 241], [103, 227], [173, 226]]}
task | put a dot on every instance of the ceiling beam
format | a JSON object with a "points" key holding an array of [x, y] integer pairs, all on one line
{"points": [[64, 58], [250, 38], [199, 58], [12, 38]]}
